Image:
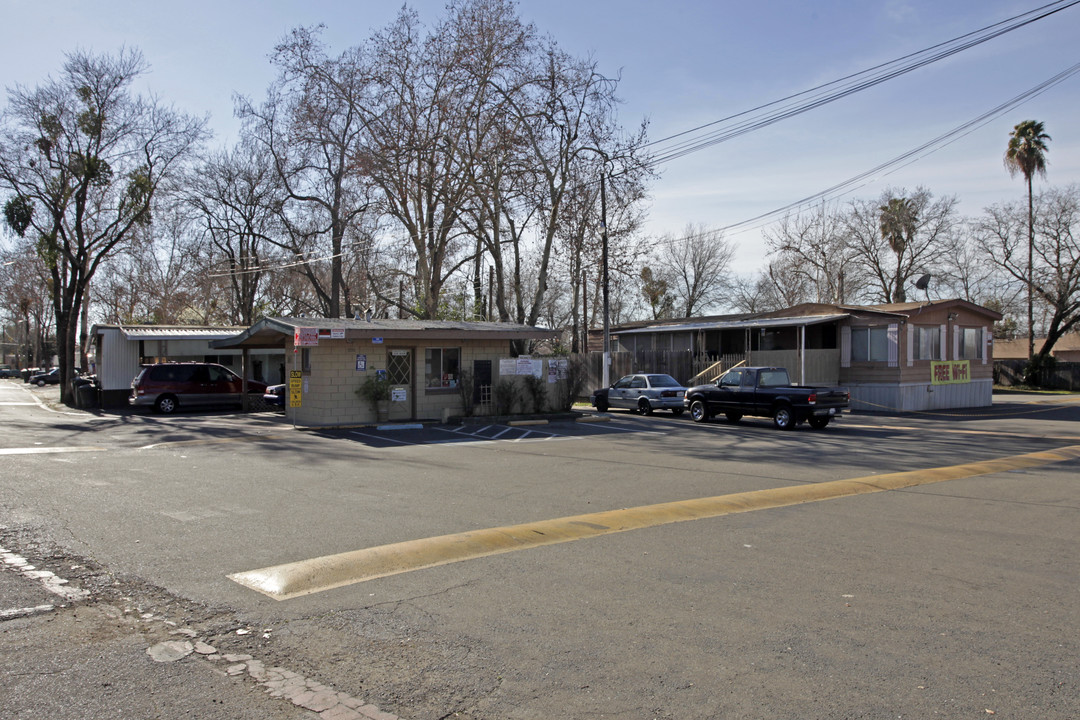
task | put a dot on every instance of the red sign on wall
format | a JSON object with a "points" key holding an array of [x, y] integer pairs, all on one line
{"points": [[306, 337]]}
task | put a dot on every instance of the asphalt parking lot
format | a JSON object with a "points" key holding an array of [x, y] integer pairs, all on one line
{"points": [[949, 594]]}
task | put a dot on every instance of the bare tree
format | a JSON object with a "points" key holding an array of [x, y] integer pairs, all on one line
{"points": [[156, 275], [82, 158], [964, 273], [1003, 234], [814, 249], [234, 194], [781, 284], [310, 127], [695, 268], [417, 120], [890, 265], [24, 302]]}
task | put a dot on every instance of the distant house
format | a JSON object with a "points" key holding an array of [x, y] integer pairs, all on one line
{"points": [[896, 357], [121, 350], [1067, 349]]}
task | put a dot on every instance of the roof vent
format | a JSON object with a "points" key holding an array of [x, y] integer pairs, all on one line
{"points": [[369, 314]]}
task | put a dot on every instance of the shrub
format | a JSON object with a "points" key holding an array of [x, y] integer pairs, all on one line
{"points": [[1039, 370], [506, 395], [465, 391], [375, 389], [536, 391], [577, 374]]}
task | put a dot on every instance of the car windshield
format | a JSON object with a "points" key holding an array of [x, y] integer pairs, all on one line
{"points": [[663, 381]]}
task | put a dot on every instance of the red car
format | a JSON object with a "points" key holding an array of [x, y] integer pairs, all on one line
{"points": [[168, 386]]}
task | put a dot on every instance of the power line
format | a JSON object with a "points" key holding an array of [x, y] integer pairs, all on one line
{"points": [[913, 155], [807, 100]]}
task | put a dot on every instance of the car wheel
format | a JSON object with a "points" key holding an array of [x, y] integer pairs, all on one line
{"points": [[733, 417], [819, 422], [41, 383], [698, 413], [676, 411], [601, 404], [783, 418], [644, 407], [166, 404]]}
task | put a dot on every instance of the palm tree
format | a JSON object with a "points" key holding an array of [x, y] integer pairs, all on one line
{"points": [[897, 223], [1026, 154]]}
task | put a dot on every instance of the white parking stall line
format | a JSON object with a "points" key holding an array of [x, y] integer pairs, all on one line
{"points": [[48, 450]]}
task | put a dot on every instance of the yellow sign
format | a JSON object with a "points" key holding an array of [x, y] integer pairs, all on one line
{"points": [[296, 380], [950, 372]]}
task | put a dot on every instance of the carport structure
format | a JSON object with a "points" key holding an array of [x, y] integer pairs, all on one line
{"points": [[432, 365], [121, 350]]}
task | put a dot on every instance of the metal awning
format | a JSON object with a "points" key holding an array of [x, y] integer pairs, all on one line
{"points": [[170, 332], [798, 321]]}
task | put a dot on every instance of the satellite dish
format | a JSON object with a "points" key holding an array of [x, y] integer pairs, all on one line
{"points": [[922, 282]]}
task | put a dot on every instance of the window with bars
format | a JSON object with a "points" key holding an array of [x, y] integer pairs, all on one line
{"points": [[399, 367]]}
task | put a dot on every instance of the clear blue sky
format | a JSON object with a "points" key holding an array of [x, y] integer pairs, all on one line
{"points": [[683, 63]]}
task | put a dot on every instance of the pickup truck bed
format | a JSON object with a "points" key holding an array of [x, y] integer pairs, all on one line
{"points": [[766, 392]]}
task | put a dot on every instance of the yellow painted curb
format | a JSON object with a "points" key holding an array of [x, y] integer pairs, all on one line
{"points": [[593, 419], [304, 577], [519, 423]]}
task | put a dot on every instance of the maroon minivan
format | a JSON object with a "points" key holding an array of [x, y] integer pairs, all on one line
{"points": [[167, 386]]}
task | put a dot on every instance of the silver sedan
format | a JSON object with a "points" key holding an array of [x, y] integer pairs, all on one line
{"points": [[643, 392]]}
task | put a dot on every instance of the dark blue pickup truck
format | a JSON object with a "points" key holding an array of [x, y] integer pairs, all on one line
{"points": [[765, 392]]}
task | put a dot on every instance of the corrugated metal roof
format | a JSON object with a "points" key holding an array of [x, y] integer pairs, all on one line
{"points": [[735, 324], [177, 332]]}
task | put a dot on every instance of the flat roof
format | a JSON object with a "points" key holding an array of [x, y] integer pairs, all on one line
{"points": [[170, 332], [278, 331]]}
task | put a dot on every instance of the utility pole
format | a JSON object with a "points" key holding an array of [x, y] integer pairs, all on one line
{"points": [[604, 255], [585, 312]]}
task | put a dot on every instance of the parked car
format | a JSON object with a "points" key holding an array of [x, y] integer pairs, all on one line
{"points": [[643, 393], [766, 392], [168, 386], [49, 377], [275, 395], [8, 372]]}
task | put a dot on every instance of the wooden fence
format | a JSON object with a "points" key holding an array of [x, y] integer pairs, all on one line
{"points": [[1064, 376]]}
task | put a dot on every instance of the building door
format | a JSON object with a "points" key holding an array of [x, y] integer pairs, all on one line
{"points": [[399, 370]]}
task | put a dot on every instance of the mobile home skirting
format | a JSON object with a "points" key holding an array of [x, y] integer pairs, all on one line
{"points": [[916, 397]]}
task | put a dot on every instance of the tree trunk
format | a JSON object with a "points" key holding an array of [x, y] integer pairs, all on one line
{"points": [[1030, 273]]}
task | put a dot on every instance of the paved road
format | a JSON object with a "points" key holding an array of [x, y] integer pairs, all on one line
{"points": [[947, 599]]}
